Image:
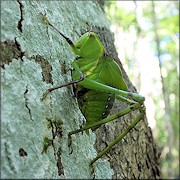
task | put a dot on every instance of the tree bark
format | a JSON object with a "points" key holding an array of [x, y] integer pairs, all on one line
{"points": [[34, 131]]}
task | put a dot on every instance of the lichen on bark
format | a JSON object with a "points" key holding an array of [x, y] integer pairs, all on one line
{"points": [[34, 58]]}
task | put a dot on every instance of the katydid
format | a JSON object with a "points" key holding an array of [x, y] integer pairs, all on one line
{"points": [[98, 81]]}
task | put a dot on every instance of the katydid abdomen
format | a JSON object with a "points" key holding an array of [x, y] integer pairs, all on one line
{"points": [[94, 105]]}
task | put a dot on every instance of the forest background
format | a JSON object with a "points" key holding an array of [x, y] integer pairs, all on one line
{"points": [[147, 41]]}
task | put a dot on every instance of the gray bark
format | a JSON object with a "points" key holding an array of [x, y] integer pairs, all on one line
{"points": [[34, 132]]}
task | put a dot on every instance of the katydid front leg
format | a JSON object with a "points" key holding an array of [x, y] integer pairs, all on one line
{"points": [[81, 78], [63, 85]]}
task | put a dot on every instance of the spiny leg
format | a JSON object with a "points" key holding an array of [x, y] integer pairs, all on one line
{"points": [[91, 84], [126, 100], [108, 119], [120, 137]]}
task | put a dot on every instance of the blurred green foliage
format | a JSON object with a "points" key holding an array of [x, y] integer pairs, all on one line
{"points": [[138, 15]]}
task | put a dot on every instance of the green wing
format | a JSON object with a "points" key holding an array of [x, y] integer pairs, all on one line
{"points": [[108, 72]]}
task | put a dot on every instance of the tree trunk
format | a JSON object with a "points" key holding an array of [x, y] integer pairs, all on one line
{"points": [[34, 131]]}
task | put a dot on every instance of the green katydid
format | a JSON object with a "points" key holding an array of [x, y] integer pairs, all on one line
{"points": [[98, 81]]}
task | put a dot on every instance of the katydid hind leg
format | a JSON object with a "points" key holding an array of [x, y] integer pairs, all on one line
{"points": [[108, 119], [91, 84], [111, 118], [119, 138]]}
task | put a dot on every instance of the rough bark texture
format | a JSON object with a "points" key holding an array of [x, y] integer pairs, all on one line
{"points": [[34, 132]]}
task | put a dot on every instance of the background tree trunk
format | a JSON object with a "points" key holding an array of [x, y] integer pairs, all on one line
{"points": [[34, 132]]}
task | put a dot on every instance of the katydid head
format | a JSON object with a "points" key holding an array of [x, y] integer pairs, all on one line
{"points": [[89, 46]]}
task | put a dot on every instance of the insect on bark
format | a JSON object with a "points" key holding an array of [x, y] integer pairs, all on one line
{"points": [[98, 81]]}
